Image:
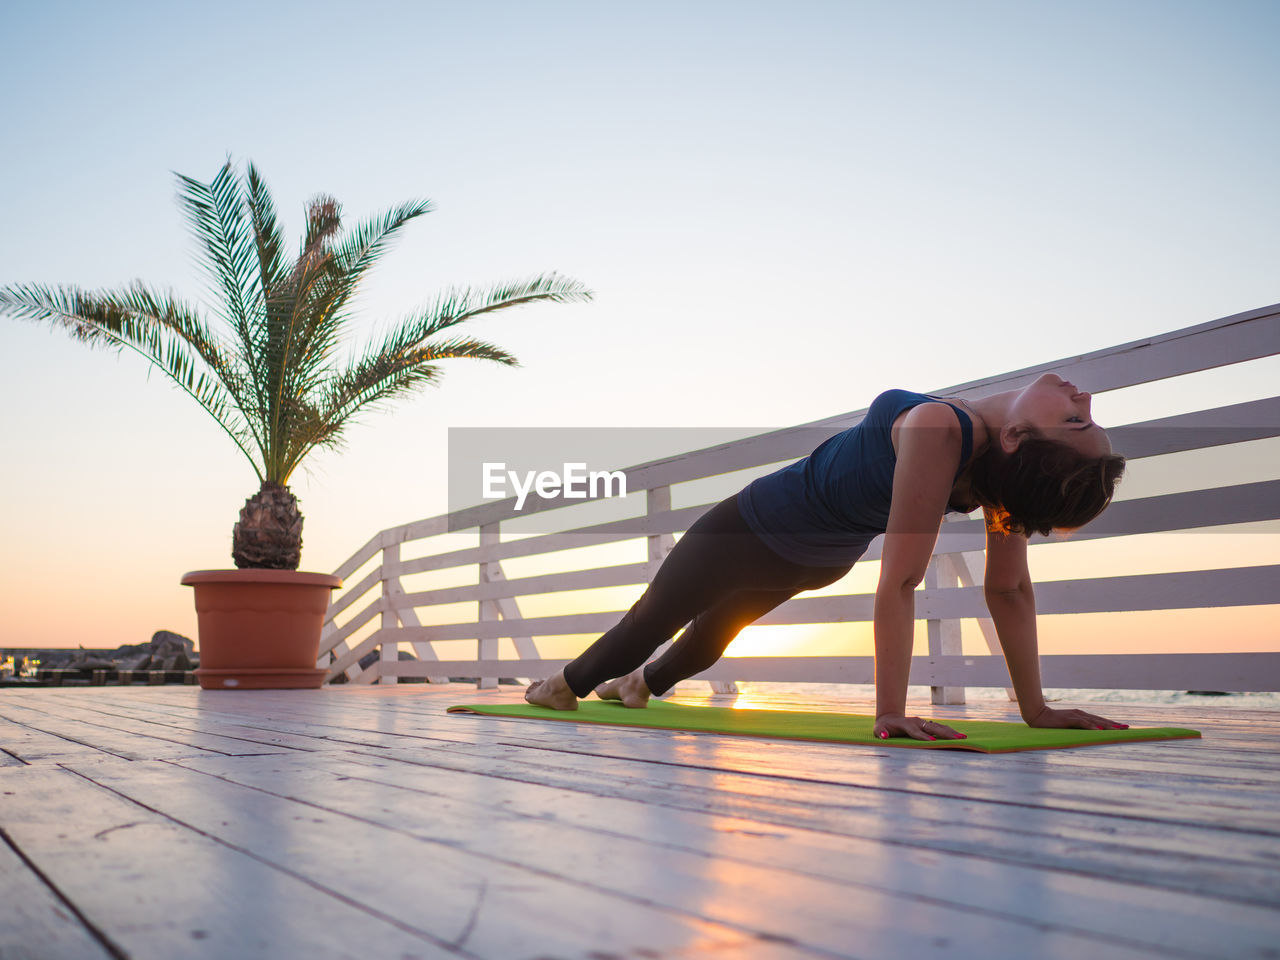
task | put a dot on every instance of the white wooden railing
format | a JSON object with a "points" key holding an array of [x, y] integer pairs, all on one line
{"points": [[376, 611]]}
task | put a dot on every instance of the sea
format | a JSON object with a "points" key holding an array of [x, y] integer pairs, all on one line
{"points": [[1056, 696]]}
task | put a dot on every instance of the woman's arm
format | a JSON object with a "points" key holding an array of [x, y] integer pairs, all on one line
{"points": [[928, 455], [1011, 599]]}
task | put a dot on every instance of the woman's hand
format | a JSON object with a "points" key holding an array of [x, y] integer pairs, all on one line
{"points": [[1077, 719], [893, 725]]}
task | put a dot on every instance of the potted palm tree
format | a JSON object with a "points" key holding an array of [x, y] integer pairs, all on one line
{"points": [[276, 388]]}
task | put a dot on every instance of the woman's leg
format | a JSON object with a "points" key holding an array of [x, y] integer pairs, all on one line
{"points": [[704, 641], [718, 555], [719, 574]]}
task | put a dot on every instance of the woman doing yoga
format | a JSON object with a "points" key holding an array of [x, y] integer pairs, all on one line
{"points": [[1033, 459]]}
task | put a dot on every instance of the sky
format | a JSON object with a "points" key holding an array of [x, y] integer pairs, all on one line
{"points": [[781, 209]]}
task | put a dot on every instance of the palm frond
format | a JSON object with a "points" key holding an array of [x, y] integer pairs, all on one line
{"points": [[379, 378], [461, 304], [301, 323], [353, 255], [166, 332], [372, 380], [268, 239], [324, 219], [461, 347], [217, 214], [364, 244]]}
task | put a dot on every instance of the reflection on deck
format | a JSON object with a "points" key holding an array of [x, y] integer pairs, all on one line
{"points": [[366, 822]]}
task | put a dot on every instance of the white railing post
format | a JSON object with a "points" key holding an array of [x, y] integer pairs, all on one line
{"points": [[657, 500], [389, 649], [944, 635], [393, 594], [970, 575], [487, 647]]}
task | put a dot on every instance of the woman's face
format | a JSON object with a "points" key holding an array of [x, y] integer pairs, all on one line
{"points": [[1059, 411]]}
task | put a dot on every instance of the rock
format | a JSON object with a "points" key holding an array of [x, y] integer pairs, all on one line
{"points": [[136, 662], [165, 651], [372, 657], [58, 658], [171, 639]]}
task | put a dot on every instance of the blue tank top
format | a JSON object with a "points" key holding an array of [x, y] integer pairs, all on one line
{"points": [[825, 509]]}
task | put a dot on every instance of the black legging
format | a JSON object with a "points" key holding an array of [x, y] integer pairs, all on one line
{"points": [[721, 576]]}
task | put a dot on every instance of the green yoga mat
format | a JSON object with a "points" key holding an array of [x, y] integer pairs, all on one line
{"points": [[984, 736]]}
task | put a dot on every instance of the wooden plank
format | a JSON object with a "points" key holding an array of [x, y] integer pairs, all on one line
{"points": [[1233, 586], [104, 740], [234, 728], [1181, 590], [616, 575], [332, 637], [90, 711], [1188, 510], [388, 649], [550, 828], [360, 557], [38, 923], [758, 902], [10, 759], [332, 729], [350, 659], [1195, 858], [943, 633], [487, 645], [1251, 805], [417, 530], [340, 720], [479, 905], [350, 595], [27, 744], [1234, 423], [629, 742], [588, 536], [1222, 734], [857, 766], [1257, 672], [1248, 502], [122, 737], [157, 889]]}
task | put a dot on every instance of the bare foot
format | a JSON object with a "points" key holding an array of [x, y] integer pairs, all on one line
{"points": [[553, 692], [631, 690]]}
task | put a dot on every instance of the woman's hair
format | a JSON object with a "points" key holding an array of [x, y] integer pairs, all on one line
{"points": [[1043, 486]]}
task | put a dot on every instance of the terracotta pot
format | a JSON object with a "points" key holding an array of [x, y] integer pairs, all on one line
{"points": [[260, 629]]}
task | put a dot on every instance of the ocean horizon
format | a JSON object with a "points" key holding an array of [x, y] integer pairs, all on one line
{"points": [[1055, 695]]}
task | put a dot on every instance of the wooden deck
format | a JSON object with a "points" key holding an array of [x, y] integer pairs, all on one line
{"points": [[364, 822]]}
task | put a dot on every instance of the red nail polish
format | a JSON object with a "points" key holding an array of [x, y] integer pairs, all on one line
{"points": [[964, 736], [883, 735], [933, 738]]}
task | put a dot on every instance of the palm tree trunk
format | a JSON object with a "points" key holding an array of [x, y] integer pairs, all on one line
{"points": [[269, 532]]}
